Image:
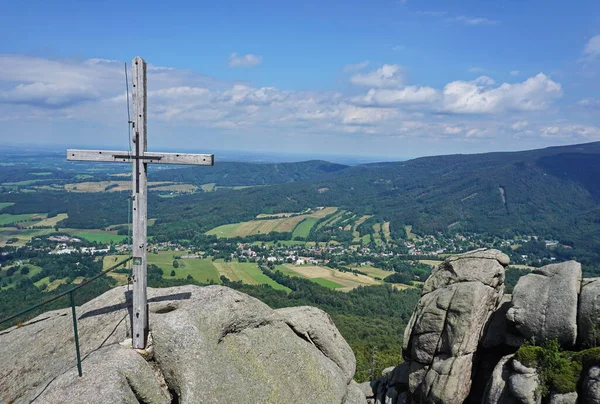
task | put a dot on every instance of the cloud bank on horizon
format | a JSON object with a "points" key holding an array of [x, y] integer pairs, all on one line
{"points": [[372, 108]]}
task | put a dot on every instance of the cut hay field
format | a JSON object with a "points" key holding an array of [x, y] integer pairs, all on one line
{"points": [[386, 231], [98, 186], [346, 280], [332, 220], [55, 284], [373, 272], [281, 225], [23, 236], [377, 232], [52, 221], [185, 188], [118, 186], [409, 233], [355, 233]]}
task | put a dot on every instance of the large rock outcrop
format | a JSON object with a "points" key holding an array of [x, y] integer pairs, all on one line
{"points": [[544, 304], [460, 342], [444, 332], [209, 344], [513, 383], [591, 386], [588, 316]]}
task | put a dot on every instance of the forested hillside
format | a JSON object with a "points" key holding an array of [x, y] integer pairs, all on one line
{"points": [[246, 174]]}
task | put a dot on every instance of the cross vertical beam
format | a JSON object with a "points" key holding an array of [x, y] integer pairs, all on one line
{"points": [[140, 159], [139, 197]]}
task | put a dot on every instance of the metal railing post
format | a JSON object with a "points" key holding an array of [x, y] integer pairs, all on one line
{"points": [[76, 334], [69, 292]]}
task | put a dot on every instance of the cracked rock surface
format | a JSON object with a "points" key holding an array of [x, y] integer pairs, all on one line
{"points": [[447, 325], [544, 304], [210, 344]]}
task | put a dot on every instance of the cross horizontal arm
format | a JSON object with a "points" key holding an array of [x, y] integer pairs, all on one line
{"points": [[147, 157]]}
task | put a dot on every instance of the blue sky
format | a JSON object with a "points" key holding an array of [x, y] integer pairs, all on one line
{"points": [[386, 78]]}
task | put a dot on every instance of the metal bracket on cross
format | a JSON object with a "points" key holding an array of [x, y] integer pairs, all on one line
{"points": [[141, 158]]}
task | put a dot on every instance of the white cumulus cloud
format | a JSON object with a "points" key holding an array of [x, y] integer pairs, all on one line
{"points": [[385, 77], [248, 60], [384, 105], [519, 125], [534, 94], [406, 95], [592, 48], [572, 132]]}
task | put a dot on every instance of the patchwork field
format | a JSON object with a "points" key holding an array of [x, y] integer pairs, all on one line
{"points": [[246, 272], [304, 227], [23, 236], [409, 233], [202, 270], [346, 281], [376, 232], [98, 186], [355, 232], [386, 231], [98, 236], [21, 183], [332, 220], [185, 188], [7, 218], [52, 221], [118, 186], [281, 225], [373, 272]]}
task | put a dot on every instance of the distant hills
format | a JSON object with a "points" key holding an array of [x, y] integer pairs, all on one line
{"points": [[246, 174], [551, 192]]}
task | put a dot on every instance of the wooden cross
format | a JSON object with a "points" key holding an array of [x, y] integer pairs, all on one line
{"points": [[140, 158]]}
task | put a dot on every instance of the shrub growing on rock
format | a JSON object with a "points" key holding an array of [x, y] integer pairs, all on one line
{"points": [[559, 370]]}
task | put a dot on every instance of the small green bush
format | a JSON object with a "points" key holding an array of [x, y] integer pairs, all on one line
{"points": [[559, 370], [564, 378], [588, 356], [529, 354]]}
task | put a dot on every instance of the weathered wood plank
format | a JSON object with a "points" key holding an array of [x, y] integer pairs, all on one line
{"points": [[181, 158], [148, 157], [97, 155], [139, 176]]}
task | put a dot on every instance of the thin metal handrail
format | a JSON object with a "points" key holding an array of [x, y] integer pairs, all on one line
{"points": [[72, 301]]}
